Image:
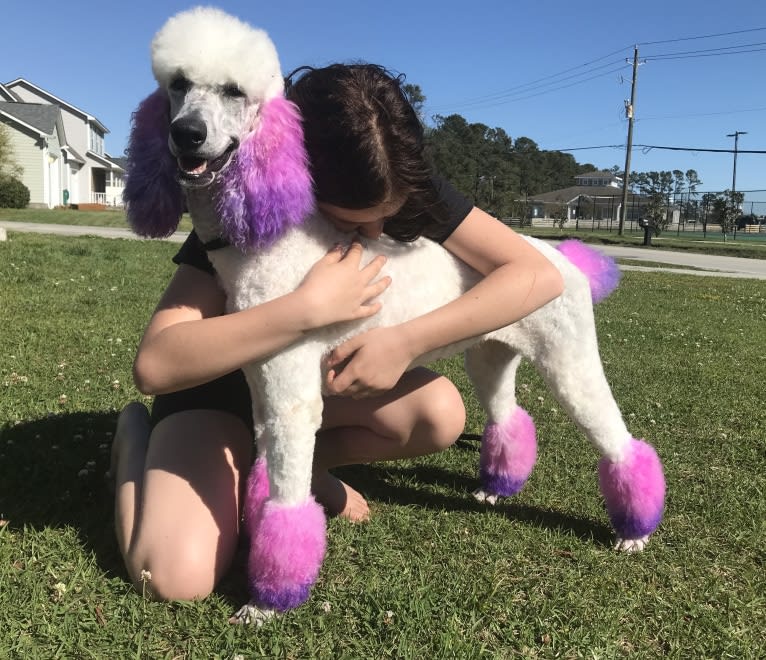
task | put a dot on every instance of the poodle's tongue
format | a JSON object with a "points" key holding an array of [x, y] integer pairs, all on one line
{"points": [[193, 165]]}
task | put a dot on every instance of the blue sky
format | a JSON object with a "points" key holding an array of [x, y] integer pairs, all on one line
{"points": [[551, 71]]}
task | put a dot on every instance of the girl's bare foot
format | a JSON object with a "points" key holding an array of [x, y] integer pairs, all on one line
{"points": [[339, 499]]}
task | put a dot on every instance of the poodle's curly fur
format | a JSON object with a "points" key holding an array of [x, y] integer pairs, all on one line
{"points": [[219, 124]]}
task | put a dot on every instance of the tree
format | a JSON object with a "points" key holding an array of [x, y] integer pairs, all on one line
{"points": [[690, 207], [727, 207], [560, 214], [656, 213], [652, 182], [9, 167], [416, 98], [707, 202]]}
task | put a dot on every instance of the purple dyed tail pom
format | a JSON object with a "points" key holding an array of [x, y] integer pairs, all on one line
{"points": [[152, 194], [602, 271]]}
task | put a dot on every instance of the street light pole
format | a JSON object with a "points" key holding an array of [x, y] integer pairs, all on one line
{"points": [[735, 135]]}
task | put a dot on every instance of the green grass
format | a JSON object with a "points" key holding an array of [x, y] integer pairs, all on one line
{"points": [[434, 574], [67, 216], [656, 264], [752, 246]]}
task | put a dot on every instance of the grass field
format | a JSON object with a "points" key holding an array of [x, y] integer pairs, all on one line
{"points": [[752, 246], [434, 574], [109, 218]]}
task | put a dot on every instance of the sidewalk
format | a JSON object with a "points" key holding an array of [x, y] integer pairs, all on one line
{"points": [[714, 266]]}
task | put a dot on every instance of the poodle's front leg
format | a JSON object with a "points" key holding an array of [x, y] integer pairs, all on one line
{"points": [[286, 525]]}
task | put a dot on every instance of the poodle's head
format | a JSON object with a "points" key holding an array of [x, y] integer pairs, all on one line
{"points": [[219, 115]]}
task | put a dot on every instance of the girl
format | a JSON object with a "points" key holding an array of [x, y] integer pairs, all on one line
{"points": [[179, 470]]}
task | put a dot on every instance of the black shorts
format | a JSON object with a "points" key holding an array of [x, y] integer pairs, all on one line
{"points": [[229, 393]]}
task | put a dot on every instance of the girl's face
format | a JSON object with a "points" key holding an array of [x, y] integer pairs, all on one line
{"points": [[368, 222]]}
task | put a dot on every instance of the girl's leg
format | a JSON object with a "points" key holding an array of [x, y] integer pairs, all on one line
{"points": [[177, 498], [423, 414]]}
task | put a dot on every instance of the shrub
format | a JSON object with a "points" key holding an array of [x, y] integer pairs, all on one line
{"points": [[13, 193]]}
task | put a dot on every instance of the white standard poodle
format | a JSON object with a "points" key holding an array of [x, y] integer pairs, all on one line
{"points": [[219, 135]]}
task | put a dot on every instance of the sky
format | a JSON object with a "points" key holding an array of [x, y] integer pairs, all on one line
{"points": [[558, 72]]}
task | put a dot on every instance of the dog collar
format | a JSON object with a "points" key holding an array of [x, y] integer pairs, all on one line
{"points": [[216, 244]]}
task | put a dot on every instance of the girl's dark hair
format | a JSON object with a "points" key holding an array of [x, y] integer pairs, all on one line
{"points": [[365, 145]]}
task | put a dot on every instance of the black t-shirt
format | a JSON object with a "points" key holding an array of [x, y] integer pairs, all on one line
{"points": [[193, 253]]}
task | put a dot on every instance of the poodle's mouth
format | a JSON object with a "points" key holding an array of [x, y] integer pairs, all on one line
{"points": [[198, 172]]}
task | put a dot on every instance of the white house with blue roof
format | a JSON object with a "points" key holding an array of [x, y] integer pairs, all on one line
{"points": [[59, 147]]}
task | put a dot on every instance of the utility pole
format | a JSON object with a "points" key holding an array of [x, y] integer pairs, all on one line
{"points": [[630, 113], [735, 135]]}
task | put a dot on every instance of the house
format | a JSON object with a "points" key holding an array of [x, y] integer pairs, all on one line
{"points": [[596, 196], [60, 147]]}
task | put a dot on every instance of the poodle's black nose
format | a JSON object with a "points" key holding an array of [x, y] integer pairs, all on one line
{"points": [[188, 133]]}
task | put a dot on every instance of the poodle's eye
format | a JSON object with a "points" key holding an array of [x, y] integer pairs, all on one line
{"points": [[180, 84], [233, 91]]}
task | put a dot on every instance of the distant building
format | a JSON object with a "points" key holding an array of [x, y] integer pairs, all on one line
{"points": [[60, 147], [596, 196]]}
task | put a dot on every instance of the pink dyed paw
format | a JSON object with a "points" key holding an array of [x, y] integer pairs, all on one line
{"points": [[508, 454], [286, 554], [634, 491]]}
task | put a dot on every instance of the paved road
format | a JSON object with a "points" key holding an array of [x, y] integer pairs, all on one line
{"points": [[713, 266]]}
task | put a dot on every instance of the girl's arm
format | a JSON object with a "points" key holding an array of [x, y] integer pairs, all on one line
{"points": [[518, 279], [189, 340]]}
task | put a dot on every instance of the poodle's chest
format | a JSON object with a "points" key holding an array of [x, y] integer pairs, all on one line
{"points": [[424, 275]]}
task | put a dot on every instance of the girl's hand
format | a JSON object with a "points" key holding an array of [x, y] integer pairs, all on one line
{"points": [[336, 289], [368, 364]]}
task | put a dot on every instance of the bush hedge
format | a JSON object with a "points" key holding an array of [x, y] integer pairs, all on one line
{"points": [[13, 193]]}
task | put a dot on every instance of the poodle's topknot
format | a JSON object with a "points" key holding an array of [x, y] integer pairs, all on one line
{"points": [[208, 46]]}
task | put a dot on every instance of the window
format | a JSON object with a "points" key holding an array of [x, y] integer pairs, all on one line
{"points": [[96, 141]]}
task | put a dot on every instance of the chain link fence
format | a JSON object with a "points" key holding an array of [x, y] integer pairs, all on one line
{"points": [[686, 213]]}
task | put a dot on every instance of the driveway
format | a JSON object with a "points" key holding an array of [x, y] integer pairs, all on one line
{"points": [[713, 266]]}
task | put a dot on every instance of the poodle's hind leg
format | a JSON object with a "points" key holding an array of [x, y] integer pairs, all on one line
{"points": [[509, 443], [286, 525], [631, 478]]}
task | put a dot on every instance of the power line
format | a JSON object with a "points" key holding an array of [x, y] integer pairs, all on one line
{"points": [[649, 147], [707, 50], [523, 89], [511, 94], [721, 151], [708, 54], [520, 87], [701, 114], [702, 36], [491, 103]]}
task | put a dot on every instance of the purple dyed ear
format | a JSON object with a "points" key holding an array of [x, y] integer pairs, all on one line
{"points": [[267, 187], [152, 194]]}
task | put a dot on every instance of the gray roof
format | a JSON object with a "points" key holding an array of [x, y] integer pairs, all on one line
{"points": [[73, 155], [38, 115], [8, 95], [599, 173], [565, 195], [121, 161], [54, 100]]}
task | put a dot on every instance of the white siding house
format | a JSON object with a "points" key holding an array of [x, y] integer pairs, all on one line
{"points": [[60, 147]]}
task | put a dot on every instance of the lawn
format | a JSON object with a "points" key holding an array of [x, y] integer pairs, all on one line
{"points": [[434, 574], [752, 246], [111, 217]]}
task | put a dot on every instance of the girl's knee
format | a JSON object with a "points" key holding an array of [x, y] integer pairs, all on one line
{"points": [[181, 572], [444, 414]]}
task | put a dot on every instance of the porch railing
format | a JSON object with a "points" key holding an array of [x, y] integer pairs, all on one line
{"points": [[108, 199]]}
